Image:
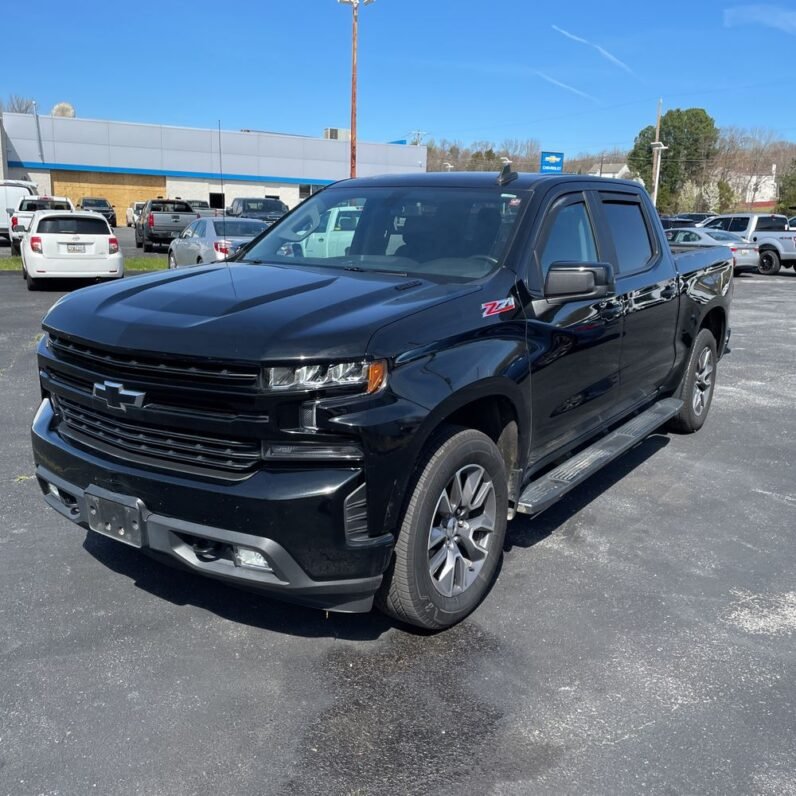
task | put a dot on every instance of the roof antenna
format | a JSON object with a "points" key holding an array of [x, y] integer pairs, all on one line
{"points": [[506, 174]]}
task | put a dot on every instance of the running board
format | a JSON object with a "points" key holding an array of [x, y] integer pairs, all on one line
{"points": [[542, 493]]}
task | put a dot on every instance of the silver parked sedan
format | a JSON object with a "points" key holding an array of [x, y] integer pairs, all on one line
{"points": [[210, 240], [746, 254]]}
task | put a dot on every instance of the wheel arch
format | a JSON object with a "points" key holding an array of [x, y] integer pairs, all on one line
{"points": [[715, 321]]}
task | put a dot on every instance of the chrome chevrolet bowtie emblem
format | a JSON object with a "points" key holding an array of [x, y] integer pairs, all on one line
{"points": [[115, 395]]}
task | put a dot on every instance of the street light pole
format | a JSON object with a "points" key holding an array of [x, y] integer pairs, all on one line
{"points": [[354, 39]]}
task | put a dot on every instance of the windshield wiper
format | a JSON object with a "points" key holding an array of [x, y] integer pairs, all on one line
{"points": [[361, 270]]}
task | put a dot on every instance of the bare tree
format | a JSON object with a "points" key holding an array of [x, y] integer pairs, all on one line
{"points": [[17, 104]]}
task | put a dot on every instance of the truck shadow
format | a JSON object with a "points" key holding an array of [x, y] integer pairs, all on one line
{"points": [[526, 532], [182, 588]]}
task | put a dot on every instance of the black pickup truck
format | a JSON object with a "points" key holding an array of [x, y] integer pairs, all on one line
{"points": [[334, 429]]}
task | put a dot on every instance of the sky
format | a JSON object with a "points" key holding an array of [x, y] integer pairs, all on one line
{"points": [[576, 76]]}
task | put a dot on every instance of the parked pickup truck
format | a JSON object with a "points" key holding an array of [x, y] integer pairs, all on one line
{"points": [[268, 209], [162, 220], [334, 233], [771, 234], [23, 213], [331, 429]]}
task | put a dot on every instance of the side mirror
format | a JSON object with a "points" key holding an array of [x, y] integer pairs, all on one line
{"points": [[569, 281], [228, 211], [19, 228]]}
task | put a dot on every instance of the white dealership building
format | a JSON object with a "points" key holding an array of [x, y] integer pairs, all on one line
{"points": [[126, 162]]}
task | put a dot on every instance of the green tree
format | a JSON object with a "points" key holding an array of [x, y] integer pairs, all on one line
{"points": [[787, 191], [727, 197], [692, 137]]}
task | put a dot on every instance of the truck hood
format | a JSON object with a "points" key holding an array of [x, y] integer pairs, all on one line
{"points": [[246, 312]]}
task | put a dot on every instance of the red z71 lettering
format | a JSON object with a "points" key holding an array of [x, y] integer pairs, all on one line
{"points": [[496, 307]]}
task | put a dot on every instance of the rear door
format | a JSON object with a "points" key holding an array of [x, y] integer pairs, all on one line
{"points": [[181, 246], [647, 286]]}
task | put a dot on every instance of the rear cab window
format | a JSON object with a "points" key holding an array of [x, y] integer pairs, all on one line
{"points": [[170, 207], [32, 205]]}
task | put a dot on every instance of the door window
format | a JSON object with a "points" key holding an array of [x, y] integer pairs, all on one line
{"points": [[630, 235], [571, 238], [738, 224]]}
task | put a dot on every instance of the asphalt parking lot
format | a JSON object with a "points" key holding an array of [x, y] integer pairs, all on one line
{"points": [[640, 637]]}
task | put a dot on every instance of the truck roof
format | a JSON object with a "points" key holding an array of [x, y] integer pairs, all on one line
{"points": [[477, 179]]}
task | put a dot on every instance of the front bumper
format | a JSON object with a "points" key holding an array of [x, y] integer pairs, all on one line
{"points": [[294, 517]]}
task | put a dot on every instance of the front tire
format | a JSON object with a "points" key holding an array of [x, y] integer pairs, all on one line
{"points": [[696, 389], [172, 261], [451, 539], [769, 263]]}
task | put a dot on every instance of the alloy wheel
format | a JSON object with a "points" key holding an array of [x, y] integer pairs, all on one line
{"points": [[461, 530]]}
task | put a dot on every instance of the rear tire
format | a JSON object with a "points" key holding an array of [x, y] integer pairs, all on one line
{"points": [[451, 539], [696, 389], [33, 284], [769, 263], [16, 249], [138, 243], [146, 246]]}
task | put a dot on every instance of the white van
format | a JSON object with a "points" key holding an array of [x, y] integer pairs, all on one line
{"points": [[11, 191]]}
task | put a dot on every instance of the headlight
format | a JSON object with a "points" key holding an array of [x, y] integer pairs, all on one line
{"points": [[372, 376]]}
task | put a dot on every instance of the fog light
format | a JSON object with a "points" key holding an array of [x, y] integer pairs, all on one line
{"points": [[253, 559], [53, 490]]}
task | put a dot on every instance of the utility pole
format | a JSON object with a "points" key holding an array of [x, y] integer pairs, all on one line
{"points": [[354, 38], [657, 151]]}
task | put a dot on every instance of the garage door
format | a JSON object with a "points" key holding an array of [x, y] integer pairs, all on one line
{"points": [[121, 190]]}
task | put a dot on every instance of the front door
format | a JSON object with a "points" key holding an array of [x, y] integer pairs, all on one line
{"points": [[574, 345]]}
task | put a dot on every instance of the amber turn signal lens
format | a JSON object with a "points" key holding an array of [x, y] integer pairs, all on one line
{"points": [[377, 375]]}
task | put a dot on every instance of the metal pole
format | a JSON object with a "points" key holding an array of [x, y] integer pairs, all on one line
{"points": [[656, 156], [354, 35]]}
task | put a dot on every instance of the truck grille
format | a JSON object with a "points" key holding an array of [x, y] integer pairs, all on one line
{"points": [[140, 442], [197, 372]]}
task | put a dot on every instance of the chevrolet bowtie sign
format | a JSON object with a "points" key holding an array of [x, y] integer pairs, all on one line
{"points": [[116, 396], [552, 162]]}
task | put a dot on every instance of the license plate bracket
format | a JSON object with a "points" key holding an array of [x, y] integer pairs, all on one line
{"points": [[119, 517]]}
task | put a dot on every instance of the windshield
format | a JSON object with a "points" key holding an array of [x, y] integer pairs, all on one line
{"points": [[449, 233], [235, 228], [720, 234], [96, 203], [264, 206]]}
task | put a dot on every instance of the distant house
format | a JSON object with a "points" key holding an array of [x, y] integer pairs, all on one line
{"points": [[754, 189], [617, 171]]}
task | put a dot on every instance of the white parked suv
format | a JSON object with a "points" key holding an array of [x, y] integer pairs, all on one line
{"points": [[77, 245]]}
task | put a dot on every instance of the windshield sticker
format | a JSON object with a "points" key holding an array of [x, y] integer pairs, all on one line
{"points": [[496, 307]]}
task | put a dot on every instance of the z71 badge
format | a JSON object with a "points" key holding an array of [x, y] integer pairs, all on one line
{"points": [[496, 307]]}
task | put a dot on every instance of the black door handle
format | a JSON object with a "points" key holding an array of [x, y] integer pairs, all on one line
{"points": [[669, 292]]}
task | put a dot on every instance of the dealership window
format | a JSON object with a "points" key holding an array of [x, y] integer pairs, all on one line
{"points": [[308, 190], [217, 201]]}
